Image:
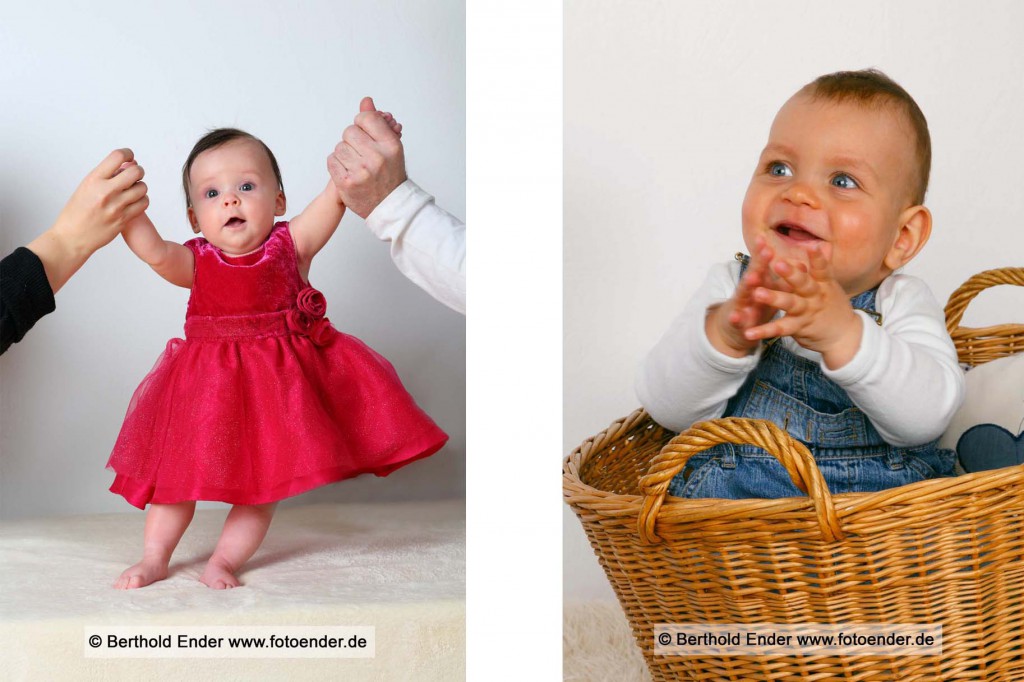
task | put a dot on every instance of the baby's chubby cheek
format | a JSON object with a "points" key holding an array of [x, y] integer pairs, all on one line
{"points": [[750, 225]]}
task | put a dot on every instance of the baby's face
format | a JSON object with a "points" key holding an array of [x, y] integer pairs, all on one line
{"points": [[835, 174], [234, 196]]}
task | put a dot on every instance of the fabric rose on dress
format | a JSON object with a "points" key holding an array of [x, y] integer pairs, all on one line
{"points": [[311, 302], [299, 322], [307, 318], [320, 334]]}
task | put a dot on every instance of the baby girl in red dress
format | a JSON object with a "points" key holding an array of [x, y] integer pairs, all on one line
{"points": [[263, 398]]}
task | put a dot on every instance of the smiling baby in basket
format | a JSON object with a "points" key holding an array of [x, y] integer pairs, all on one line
{"points": [[816, 331]]}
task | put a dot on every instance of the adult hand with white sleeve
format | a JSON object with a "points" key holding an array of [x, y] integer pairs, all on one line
{"points": [[428, 244], [369, 162]]}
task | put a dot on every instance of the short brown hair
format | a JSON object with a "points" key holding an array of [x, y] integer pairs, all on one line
{"points": [[871, 87], [216, 138]]}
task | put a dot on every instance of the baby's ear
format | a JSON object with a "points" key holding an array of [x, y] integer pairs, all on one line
{"points": [[914, 230], [280, 204], [193, 220]]}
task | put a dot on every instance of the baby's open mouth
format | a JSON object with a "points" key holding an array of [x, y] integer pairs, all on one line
{"points": [[795, 233], [234, 222]]}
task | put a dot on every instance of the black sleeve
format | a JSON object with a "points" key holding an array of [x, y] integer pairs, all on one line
{"points": [[25, 295]]}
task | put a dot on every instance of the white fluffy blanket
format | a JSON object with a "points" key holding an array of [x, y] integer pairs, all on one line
{"points": [[598, 646], [397, 567]]}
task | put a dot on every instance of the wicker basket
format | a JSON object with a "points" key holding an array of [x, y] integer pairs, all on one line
{"points": [[941, 551]]}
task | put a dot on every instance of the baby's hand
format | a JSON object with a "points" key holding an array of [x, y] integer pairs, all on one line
{"points": [[395, 125], [818, 312], [727, 324]]}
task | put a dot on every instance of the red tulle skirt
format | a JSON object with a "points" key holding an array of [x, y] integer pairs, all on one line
{"points": [[255, 420]]}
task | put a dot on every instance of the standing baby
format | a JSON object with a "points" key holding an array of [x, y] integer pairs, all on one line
{"points": [[816, 330], [263, 398]]}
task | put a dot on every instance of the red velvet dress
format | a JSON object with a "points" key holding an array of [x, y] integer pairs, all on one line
{"points": [[263, 399]]}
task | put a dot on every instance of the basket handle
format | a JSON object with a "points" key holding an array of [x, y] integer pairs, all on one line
{"points": [[793, 455], [967, 291]]}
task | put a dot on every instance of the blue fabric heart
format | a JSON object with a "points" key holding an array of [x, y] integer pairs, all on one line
{"points": [[988, 446]]}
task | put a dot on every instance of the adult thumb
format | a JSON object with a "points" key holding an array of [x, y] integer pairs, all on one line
{"points": [[367, 104]]}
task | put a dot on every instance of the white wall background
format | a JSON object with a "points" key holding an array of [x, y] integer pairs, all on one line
{"points": [[80, 80], [667, 107]]}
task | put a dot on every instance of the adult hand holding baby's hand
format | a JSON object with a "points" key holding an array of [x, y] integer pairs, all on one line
{"points": [[107, 198], [369, 162], [818, 312]]}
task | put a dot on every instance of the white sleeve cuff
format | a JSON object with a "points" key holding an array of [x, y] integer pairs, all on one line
{"points": [[405, 200], [714, 358]]}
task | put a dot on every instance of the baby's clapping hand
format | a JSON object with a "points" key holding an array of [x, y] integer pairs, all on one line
{"points": [[818, 312], [726, 325]]}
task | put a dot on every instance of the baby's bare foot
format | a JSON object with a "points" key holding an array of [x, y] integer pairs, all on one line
{"points": [[218, 576], [141, 574]]}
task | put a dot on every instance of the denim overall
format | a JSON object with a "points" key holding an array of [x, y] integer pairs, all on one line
{"points": [[794, 393]]}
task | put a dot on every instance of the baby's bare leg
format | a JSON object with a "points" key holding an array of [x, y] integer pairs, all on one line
{"points": [[244, 530], [165, 524]]}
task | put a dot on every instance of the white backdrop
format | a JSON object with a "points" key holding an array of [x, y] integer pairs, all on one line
{"points": [[667, 107], [79, 81]]}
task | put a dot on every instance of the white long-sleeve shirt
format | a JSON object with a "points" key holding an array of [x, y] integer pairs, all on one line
{"points": [[905, 376], [428, 245]]}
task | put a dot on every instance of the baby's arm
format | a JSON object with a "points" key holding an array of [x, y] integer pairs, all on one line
{"points": [[905, 376], [685, 378], [312, 228], [170, 260]]}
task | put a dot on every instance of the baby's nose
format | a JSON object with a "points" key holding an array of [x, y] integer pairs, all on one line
{"points": [[230, 199], [801, 193]]}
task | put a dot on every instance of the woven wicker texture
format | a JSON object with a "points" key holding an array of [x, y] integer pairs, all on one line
{"points": [[945, 551], [976, 346]]}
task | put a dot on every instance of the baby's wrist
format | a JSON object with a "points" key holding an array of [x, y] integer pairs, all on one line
{"points": [[846, 344], [723, 337]]}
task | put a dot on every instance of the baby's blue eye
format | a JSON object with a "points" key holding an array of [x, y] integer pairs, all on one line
{"points": [[844, 181], [246, 187], [210, 193], [779, 170]]}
